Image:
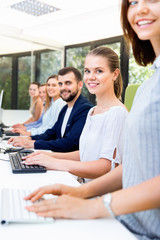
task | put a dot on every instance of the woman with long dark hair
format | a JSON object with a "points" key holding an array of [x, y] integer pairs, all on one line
{"points": [[131, 195]]}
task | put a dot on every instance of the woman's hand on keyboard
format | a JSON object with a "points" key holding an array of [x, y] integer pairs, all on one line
{"points": [[37, 153], [55, 189], [41, 159], [70, 207]]}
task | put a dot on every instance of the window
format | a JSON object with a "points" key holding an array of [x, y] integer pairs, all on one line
{"points": [[138, 74], [75, 57], [17, 71], [5, 80], [114, 46], [25, 76], [50, 63]]}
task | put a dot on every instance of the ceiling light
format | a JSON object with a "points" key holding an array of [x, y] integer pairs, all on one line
{"points": [[34, 7]]}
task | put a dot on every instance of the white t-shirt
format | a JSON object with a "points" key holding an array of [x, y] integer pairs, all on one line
{"points": [[102, 134], [65, 120]]}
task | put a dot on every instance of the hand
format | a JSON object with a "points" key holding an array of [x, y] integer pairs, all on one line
{"points": [[70, 207], [18, 125], [37, 153], [21, 131], [21, 142], [55, 189], [41, 159]]}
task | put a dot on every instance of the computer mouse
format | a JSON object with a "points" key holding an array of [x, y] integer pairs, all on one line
{"points": [[26, 151]]}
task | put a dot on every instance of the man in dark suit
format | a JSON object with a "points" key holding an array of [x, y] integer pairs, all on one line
{"points": [[64, 135]]}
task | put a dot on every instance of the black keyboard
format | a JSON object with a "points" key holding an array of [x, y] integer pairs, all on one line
{"points": [[9, 133], [18, 167]]}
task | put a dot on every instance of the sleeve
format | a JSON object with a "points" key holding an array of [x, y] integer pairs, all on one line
{"points": [[113, 135], [70, 142], [50, 118], [47, 135]]}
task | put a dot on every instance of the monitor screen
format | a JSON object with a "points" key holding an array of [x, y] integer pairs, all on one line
{"points": [[1, 97]]}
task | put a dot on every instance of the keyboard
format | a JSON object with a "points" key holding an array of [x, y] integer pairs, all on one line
{"points": [[18, 167], [13, 208], [9, 133]]}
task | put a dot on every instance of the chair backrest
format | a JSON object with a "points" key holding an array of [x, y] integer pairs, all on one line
{"points": [[129, 95]]}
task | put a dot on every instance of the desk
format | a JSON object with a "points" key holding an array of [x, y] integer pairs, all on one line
{"points": [[103, 229]]}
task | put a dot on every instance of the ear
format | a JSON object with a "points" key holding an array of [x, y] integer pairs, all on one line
{"points": [[115, 74], [80, 85]]}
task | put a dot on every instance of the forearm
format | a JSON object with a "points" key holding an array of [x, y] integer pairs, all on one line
{"points": [[141, 197], [110, 182], [92, 169], [70, 155], [38, 113], [31, 119]]}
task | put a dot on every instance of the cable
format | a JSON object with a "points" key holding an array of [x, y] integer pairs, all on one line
{"points": [[4, 160], [3, 149], [10, 150]]}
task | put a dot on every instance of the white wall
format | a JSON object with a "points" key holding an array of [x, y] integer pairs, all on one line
{"points": [[10, 117]]}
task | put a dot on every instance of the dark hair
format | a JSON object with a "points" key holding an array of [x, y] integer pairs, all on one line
{"points": [[42, 85], [142, 50], [35, 83], [48, 98], [113, 63], [75, 71]]}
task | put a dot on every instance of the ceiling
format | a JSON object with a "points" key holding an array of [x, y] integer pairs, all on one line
{"points": [[77, 21]]}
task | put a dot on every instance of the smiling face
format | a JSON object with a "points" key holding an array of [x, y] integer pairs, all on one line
{"points": [[33, 90], [97, 75], [144, 18], [42, 93], [53, 88], [69, 87]]}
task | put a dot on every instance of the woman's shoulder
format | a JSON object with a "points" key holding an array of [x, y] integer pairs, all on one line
{"points": [[37, 100], [118, 110]]}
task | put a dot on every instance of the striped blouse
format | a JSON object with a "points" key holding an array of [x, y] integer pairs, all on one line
{"points": [[141, 159]]}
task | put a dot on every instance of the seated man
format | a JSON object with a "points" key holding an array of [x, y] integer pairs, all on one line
{"points": [[64, 135]]}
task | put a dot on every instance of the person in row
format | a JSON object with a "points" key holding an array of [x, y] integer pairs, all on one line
{"points": [[36, 105], [42, 95], [53, 106], [64, 135], [104, 123], [131, 192]]}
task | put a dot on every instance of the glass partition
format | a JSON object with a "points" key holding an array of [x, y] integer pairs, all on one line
{"points": [[25, 76], [17, 71], [50, 63], [5, 80], [138, 74], [114, 46], [75, 57]]}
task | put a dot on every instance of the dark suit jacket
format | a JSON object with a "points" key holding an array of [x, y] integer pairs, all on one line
{"points": [[52, 140]]}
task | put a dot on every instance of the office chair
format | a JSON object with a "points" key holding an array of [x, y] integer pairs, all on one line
{"points": [[129, 95]]}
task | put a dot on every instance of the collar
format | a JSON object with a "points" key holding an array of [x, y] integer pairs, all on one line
{"points": [[156, 63]]}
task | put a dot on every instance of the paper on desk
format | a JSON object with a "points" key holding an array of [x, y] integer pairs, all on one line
{"points": [[4, 156]]}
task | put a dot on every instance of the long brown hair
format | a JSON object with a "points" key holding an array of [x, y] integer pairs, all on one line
{"points": [[48, 98], [142, 50], [113, 63]]}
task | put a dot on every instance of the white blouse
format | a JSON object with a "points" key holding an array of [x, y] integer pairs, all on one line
{"points": [[102, 134], [49, 117]]}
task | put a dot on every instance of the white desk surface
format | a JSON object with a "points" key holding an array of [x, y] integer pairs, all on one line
{"points": [[103, 229]]}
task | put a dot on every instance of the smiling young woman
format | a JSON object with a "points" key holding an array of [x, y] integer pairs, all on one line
{"points": [[104, 122], [131, 195]]}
